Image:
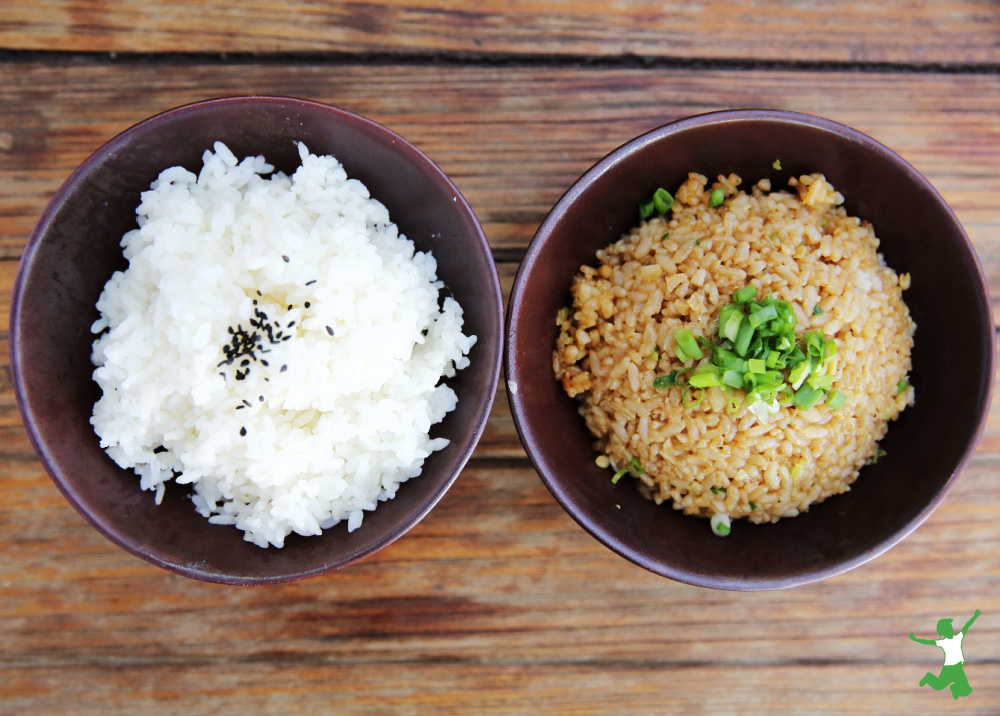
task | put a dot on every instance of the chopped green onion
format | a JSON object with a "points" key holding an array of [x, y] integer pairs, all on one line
{"points": [[756, 350], [902, 385], [836, 400], [734, 379], [820, 382], [743, 338], [818, 311], [705, 379], [646, 209], [773, 236], [759, 316], [717, 197], [717, 490], [686, 342], [662, 201], [721, 525], [662, 382], [618, 476], [777, 165], [879, 454], [753, 505], [806, 397], [731, 329], [696, 403], [747, 293], [665, 236], [635, 467]]}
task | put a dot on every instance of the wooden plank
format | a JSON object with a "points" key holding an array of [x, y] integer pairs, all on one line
{"points": [[896, 31], [512, 138], [496, 582], [446, 688]]}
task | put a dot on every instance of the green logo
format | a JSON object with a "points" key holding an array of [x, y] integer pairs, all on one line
{"points": [[952, 674]]}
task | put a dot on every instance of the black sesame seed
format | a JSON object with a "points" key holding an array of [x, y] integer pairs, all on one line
{"points": [[310, 283], [284, 368], [259, 293], [329, 330], [159, 449], [243, 431], [246, 403], [290, 307], [291, 324], [240, 407], [264, 363], [262, 398], [307, 304], [245, 362], [285, 259]]}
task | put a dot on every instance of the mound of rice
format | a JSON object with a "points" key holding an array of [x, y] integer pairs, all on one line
{"points": [[679, 271], [275, 343]]}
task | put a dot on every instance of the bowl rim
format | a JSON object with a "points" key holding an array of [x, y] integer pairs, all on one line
{"points": [[492, 364], [598, 529]]}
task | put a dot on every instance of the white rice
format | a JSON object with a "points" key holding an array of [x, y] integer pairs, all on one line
{"points": [[294, 434]]}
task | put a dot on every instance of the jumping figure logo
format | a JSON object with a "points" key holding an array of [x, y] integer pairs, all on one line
{"points": [[952, 674]]}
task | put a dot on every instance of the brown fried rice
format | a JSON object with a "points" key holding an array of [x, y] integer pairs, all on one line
{"points": [[679, 270]]}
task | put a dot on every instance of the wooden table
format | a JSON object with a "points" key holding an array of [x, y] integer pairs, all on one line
{"points": [[496, 602]]}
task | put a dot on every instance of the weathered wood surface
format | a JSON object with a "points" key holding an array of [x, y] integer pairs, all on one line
{"points": [[895, 31], [496, 602]]}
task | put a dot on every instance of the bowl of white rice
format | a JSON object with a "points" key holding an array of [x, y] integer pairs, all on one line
{"points": [[254, 339], [750, 349]]}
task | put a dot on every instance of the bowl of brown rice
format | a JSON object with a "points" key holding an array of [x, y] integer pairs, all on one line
{"points": [[726, 345]]}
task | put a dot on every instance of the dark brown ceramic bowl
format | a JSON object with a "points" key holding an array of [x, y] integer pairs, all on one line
{"points": [[926, 448], [75, 248]]}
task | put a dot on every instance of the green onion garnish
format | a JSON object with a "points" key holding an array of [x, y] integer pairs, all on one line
{"points": [[756, 350], [818, 311], [618, 476], [753, 505], [635, 467], [745, 294], [836, 400], [662, 382], [721, 524], [687, 346], [902, 385], [716, 197], [777, 165], [660, 203]]}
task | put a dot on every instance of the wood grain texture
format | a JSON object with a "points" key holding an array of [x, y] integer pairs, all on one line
{"points": [[896, 31], [497, 602], [513, 138]]}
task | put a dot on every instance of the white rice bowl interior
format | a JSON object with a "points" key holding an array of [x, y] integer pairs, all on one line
{"points": [[276, 343]]}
